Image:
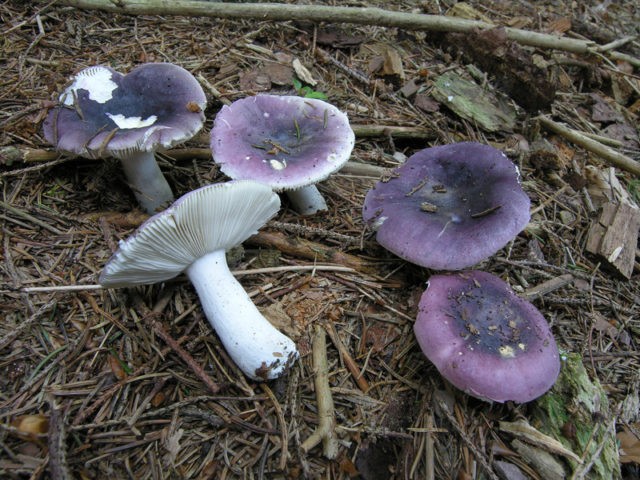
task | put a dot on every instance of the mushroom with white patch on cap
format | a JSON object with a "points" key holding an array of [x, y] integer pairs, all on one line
{"points": [[287, 142], [192, 236], [104, 113]]}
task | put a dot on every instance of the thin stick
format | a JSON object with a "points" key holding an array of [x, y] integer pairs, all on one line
{"points": [[237, 273], [58, 466], [322, 13], [348, 360], [325, 432], [611, 156]]}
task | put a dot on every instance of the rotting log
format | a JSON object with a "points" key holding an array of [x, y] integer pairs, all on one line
{"points": [[323, 13]]}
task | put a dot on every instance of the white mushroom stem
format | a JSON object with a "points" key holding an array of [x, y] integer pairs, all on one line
{"points": [[147, 181], [256, 346], [307, 200]]}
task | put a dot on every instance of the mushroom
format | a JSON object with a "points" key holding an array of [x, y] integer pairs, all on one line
{"points": [[192, 235], [287, 142], [448, 207], [104, 113], [485, 339]]}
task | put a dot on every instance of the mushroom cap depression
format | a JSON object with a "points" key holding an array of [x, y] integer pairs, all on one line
{"points": [[287, 142], [485, 339], [448, 207], [155, 105], [213, 217]]}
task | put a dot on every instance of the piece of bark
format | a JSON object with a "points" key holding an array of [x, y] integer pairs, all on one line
{"points": [[613, 236]]}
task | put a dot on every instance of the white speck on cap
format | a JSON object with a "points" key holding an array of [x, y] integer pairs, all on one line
{"points": [[277, 164]]}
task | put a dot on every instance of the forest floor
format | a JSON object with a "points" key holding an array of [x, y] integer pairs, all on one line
{"points": [[92, 385]]}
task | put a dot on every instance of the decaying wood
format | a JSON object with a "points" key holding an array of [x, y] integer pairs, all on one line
{"points": [[613, 236]]}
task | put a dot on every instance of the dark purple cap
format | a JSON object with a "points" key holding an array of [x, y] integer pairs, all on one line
{"points": [[449, 207], [485, 339], [286, 142], [103, 112]]}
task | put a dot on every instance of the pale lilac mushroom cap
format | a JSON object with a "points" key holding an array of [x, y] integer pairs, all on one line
{"points": [[105, 113], [192, 236], [449, 207], [486, 340], [287, 142]]}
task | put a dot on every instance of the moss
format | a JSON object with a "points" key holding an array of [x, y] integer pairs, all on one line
{"points": [[576, 412]]}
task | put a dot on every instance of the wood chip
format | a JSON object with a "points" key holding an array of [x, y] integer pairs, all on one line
{"points": [[614, 235]]}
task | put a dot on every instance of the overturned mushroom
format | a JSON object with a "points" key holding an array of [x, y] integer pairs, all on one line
{"points": [[104, 113], [485, 339], [448, 207], [286, 142], [192, 236]]}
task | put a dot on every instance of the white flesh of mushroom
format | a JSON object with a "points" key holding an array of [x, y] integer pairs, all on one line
{"points": [[307, 200], [147, 181], [256, 346]]}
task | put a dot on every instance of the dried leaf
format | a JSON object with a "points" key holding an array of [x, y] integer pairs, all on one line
{"points": [[115, 364], [601, 324], [559, 26], [302, 73], [426, 103], [278, 73], [338, 39], [255, 81], [629, 446], [30, 427]]}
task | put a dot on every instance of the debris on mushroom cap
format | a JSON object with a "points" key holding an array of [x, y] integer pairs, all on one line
{"points": [[213, 217], [449, 207], [485, 339], [287, 142], [102, 112]]}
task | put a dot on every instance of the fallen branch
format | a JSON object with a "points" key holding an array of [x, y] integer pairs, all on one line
{"points": [[322, 13], [325, 432], [11, 154], [302, 248], [611, 156]]}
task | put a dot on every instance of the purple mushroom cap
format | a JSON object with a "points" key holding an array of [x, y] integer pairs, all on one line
{"points": [[286, 142], [485, 339], [449, 207], [155, 105]]}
